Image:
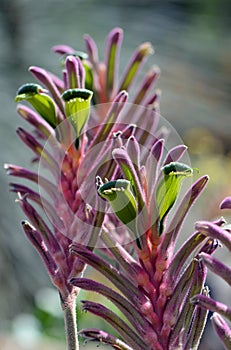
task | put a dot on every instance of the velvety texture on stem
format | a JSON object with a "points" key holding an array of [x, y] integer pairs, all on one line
{"points": [[69, 311]]}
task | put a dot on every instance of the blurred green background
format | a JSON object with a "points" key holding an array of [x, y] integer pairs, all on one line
{"points": [[192, 42]]}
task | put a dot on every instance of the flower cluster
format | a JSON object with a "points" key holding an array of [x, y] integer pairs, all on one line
{"points": [[85, 129], [157, 283], [220, 310]]}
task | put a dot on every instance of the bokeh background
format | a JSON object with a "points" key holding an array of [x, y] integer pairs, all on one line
{"points": [[192, 41]]}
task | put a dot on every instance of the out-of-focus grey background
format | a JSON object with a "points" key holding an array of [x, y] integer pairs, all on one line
{"points": [[193, 49]]}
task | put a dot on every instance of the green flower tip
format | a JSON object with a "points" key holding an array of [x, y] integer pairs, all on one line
{"points": [[81, 54], [119, 195], [27, 90], [77, 104], [146, 49], [114, 190], [176, 168], [169, 188], [38, 98], [80, 94]]}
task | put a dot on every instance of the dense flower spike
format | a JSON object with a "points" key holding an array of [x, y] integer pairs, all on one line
{"points": [[107, 179], [73, 147], [160, 298]]}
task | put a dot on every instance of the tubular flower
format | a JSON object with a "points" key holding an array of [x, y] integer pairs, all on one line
{"points": [[71, 141], [106, 178], [102, 76], [155, 282], [220, 310]]}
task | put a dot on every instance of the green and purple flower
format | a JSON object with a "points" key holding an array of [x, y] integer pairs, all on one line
{"points": [[107, 179]]}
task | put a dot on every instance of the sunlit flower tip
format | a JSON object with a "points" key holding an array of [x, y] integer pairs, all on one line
{"points": [[75, 72], [122, 201], [113, 43], [38, 98], [222, 329], [146, 86], [135, 64], [77, 105], [168, 188], [226, 203], [28, 90], [92, 51]]}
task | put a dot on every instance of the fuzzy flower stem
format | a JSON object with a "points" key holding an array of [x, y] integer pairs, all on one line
{"points": [[152, 164], [69, 311], [188, 311], [75, 72], [38, 149], [40, 225], [18, 171], [92, 51], [129, 171]]}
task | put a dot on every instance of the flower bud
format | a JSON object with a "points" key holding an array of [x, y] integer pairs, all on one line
{"points": [[42, 103], [77, 103], [169, 188], [122, 201]]}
